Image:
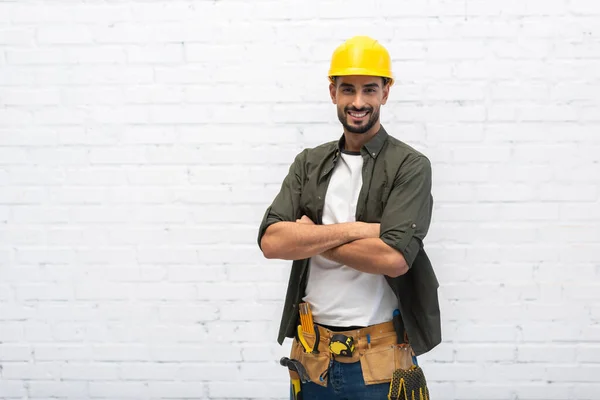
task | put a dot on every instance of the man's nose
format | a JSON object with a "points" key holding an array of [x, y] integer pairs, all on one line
{"points": [[358, 102]]}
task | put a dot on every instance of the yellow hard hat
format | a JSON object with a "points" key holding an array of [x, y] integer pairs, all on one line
{"points": [[361, 55]]}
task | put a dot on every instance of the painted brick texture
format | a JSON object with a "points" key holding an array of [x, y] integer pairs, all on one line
{"points": [[141, 141]]}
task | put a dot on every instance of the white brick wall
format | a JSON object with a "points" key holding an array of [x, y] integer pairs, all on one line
{"points": [[140, 142]]}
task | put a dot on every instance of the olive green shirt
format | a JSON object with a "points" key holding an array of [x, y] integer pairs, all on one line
{"points": [[396, 193]]}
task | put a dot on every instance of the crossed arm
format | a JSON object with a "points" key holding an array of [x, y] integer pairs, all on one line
{"points": [[355, 244]]}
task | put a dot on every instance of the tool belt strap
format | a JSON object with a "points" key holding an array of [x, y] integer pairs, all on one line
{"points": [[378, 335]]}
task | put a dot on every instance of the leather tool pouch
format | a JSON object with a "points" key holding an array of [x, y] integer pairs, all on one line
{"points": [[315, 364], [379, 362]]}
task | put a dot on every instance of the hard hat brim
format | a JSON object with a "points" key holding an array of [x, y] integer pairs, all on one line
{"points": [[361, 72]]}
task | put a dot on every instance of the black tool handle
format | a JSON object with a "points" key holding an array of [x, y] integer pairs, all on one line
{"points": [[296, 366], [315, 349], [398, 326]]}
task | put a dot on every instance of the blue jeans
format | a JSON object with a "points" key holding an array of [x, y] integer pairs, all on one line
{"points": [[345, 382]]}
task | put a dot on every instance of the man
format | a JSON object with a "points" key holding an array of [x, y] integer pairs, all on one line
{"points": [[352, 214]]}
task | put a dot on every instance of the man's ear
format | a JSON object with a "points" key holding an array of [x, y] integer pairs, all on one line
{"points": [[332, 93], [386, 93]]}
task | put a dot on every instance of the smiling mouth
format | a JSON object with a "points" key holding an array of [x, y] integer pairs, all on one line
{"points": [[358, 115]]}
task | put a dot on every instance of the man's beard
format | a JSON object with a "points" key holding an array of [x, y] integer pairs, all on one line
{"points": [[343, 116]]}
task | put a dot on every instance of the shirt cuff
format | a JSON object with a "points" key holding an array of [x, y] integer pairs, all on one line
{"points": [[405, 242], [268, 219]]}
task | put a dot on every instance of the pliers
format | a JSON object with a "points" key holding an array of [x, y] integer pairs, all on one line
{"points": [[315, 349], [302, 339]]}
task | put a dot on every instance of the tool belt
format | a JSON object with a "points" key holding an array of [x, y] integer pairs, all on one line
{"points": [[375, 347]]}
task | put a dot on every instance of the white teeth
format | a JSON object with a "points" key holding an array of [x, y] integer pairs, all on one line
{"points": [[358, 115]]}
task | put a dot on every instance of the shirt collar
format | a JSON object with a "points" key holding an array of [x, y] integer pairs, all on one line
{"points": [[373, 146]]}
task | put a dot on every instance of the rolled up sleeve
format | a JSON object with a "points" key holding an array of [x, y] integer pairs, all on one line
{"points": [[286, 205], [407, 215]]}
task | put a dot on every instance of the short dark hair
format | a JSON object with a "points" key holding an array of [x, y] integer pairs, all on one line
{"points": [[383, 78]]}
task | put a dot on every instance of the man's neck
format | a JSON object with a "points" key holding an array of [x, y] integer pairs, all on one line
{"points": [[355, 141]]}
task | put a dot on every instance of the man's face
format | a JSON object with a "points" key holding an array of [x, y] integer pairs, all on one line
{"points": [[358, 100]]}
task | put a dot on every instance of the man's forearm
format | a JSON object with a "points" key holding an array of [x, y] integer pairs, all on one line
{"points": [[370, 255], [296, 241]]}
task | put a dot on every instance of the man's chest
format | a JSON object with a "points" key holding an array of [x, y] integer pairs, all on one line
{"points": [[343, 190], [355, 190]]}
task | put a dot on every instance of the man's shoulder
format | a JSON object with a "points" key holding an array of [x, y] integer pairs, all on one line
{"points": [[402, 150], [316, 153]]}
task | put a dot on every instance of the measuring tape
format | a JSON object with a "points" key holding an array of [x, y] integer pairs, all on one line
{"points": [[341, 345]]}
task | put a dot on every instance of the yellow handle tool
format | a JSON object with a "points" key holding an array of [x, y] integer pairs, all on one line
{"points": [[303, 340], [298, 375], [296, 389]]}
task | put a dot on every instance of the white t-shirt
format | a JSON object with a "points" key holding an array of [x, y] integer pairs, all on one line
{"points": [[340, 295]]}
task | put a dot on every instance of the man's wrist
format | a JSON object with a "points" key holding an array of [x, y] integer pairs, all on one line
{"points": [[359, 231], [364, 230], [329, 254]]}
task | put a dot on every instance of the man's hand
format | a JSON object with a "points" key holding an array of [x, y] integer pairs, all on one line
{"points": [[372, 230], [305, 220], [368, 230]]}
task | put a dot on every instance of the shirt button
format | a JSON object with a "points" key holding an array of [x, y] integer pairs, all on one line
{"points": [[413, 226]]}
